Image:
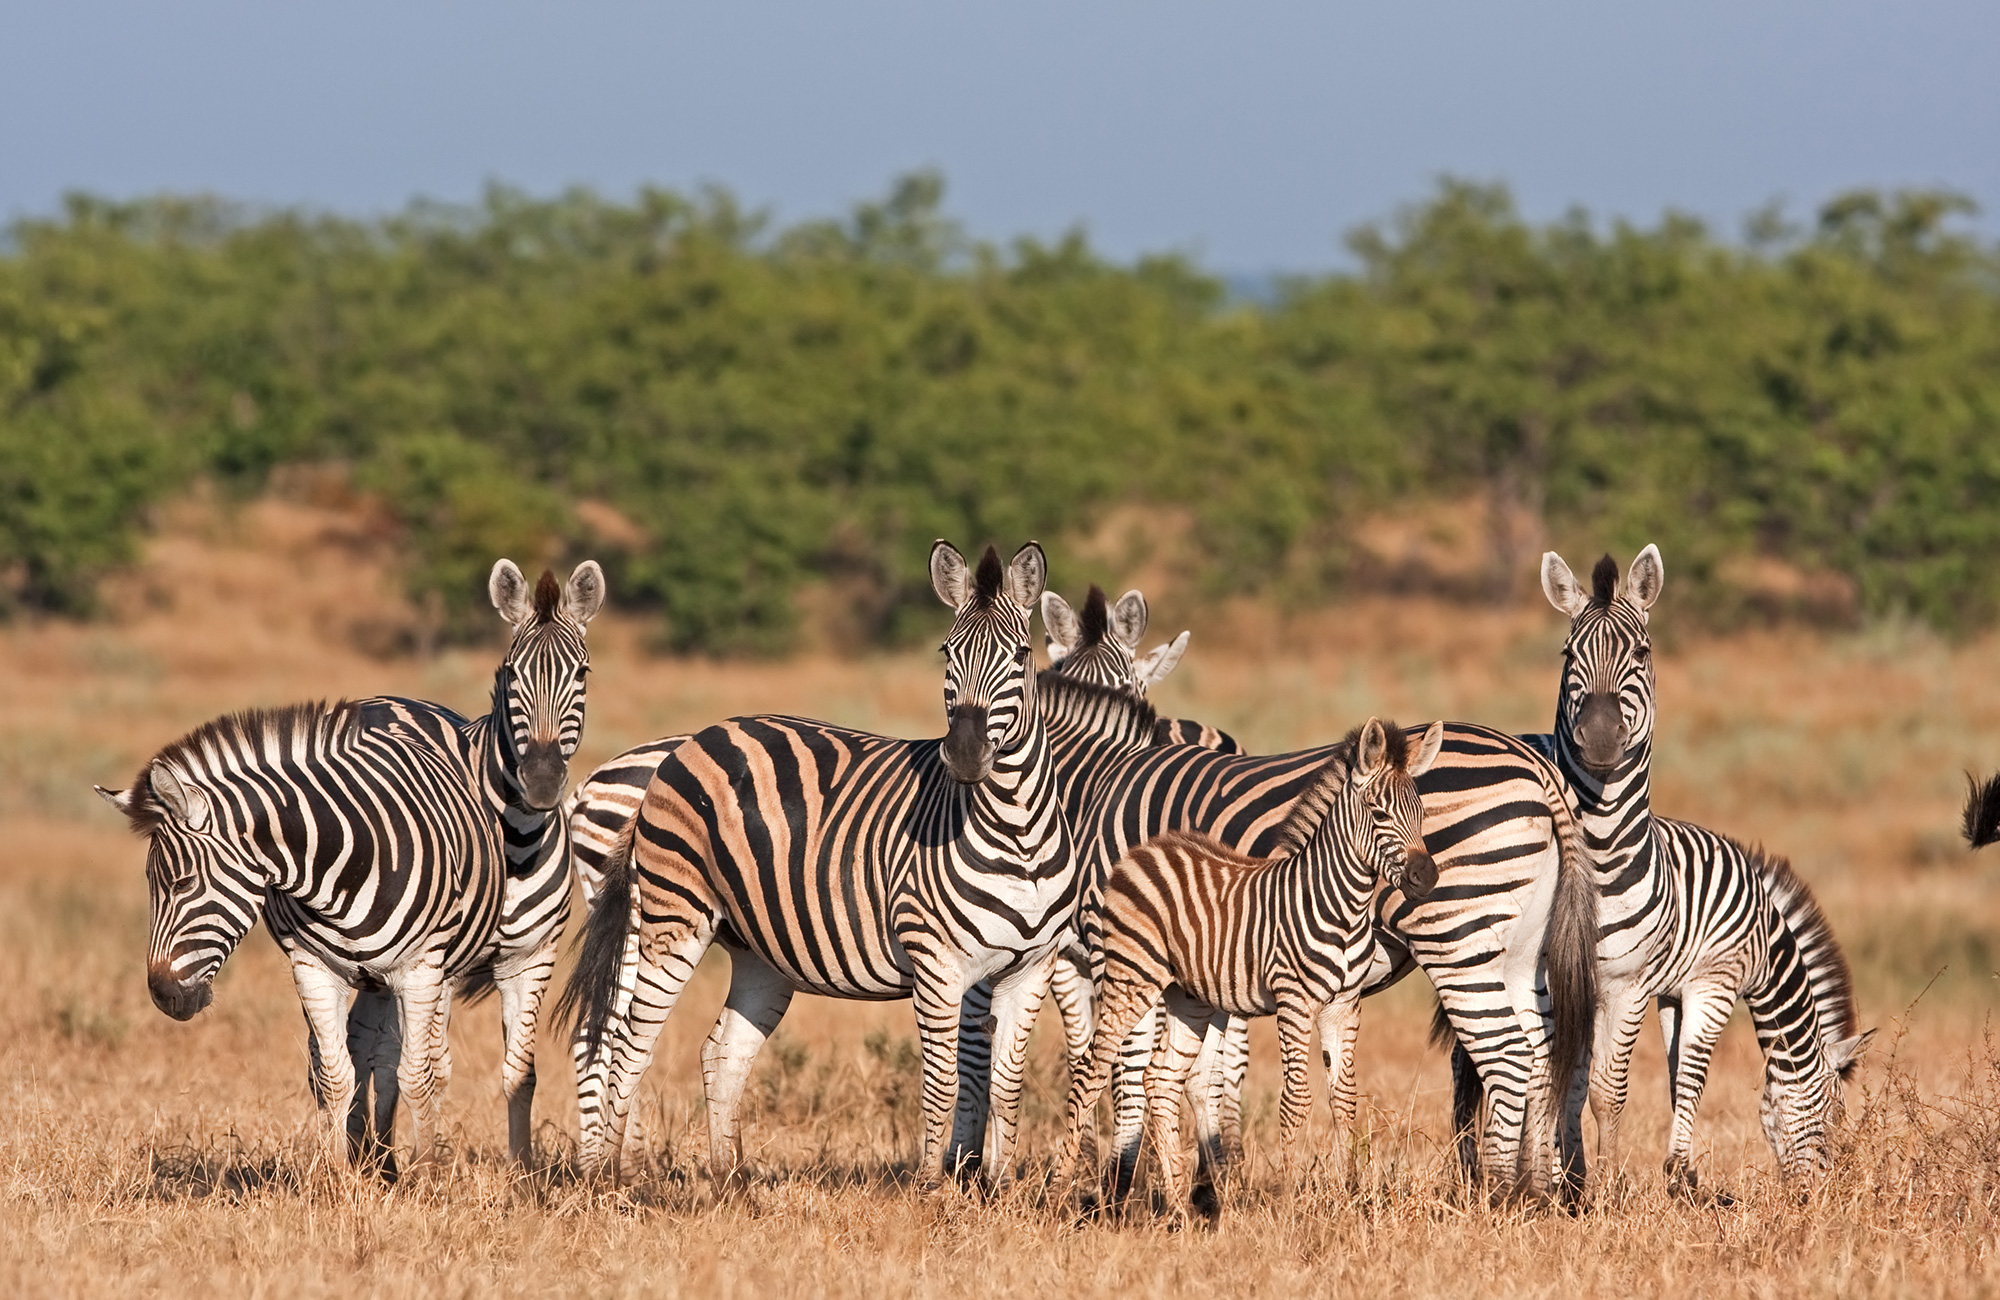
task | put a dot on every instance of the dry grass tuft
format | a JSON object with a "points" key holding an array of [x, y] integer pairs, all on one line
{"points": [[139, 1156]]}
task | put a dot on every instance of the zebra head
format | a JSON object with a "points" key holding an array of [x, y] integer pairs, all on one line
{"points": [[205, 888], [1605, 713], [1367, 793], [1802, 1102], [538, 690], [1102, 645], [988, 666]]}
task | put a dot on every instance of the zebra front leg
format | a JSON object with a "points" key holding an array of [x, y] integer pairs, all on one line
{"points": [[1166, 1081], [1620, 1013], [325, 998], [1127, 997], [1069, 986], [1128, 1096], [521, 992], [1339, 1023], [1205, 1088], [1296, 1013], [592, 1071], [1017, 996], [758, 999], [1691, 1025], [975, 1077], [939, 999], [423, 1001]]}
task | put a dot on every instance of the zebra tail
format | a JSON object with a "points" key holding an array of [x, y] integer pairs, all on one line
{"points": [[1982, 810], [1442, 1034], [476, 985], [591, 994], [1569, 951]]}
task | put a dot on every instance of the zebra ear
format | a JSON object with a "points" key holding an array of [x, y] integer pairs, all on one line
{"points": [[1062, 625], [184, 801], [1369, 751], [1427, 752], [585, 594], [1027, 575], [1844, 1054], [509, 592], [1560, 585], [1152, 667], [119, 799], [947, 573], [1645, 578], [1128, 618]]}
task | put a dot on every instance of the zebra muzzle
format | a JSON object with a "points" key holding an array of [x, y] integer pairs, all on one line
{"points": [[1420, 874], [179, 998], [1601, 733], [967, 753], [544, 772]]}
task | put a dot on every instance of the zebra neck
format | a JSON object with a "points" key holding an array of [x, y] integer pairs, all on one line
{"points": [[1615, 810], [500, 783], [1326, 873], [1021, 793]]}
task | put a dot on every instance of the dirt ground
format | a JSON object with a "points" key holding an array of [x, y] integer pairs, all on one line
{"points": [[142, 1156]]}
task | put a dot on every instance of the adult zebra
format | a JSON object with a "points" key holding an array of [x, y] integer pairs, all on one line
{"points": [[1689, 918], [514, 763], [517, 758], [352, 832], [851, 865], [1101, 646]]}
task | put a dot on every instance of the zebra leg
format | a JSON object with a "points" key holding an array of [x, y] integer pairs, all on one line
{"points": [[975, 1077], [1017, 996], [1504, 1058], [1069, 985], [1127, 998], [592, 1073], [375, 1041], [1128, 1095], [1205, 1086], [1467, 1094], [1165, 1081], [1339, 1022], [1296, 1014], [1621, 1010], [1235, 1065], [667, 958], [521, 993], [325, 998], [1691, 1029], [758, 999], [423, 999], [939, 996]]}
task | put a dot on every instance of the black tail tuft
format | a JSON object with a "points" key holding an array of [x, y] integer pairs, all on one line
{"points": [[476, 985], [1442, 1034], [592, 991], [1570, 950], [1982, 811]]}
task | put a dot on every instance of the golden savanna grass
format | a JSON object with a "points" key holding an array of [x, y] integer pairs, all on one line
{"points": [[147, 1157]]}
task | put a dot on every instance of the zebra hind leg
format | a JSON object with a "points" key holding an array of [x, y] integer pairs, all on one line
{"points": [[1017, 997], [521, 993], [758, 999], [1165, 1082], [975, 1080], [375, 1042]]}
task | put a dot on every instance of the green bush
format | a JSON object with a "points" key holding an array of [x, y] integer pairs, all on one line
{"points": [[778, 407]]}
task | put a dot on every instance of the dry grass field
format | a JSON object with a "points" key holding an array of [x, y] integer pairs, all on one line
{"points": [[141, 1156]]}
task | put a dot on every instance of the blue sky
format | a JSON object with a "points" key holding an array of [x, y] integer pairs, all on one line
{"points": [[1248, 134]]}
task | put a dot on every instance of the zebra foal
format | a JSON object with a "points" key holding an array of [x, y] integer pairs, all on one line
{"points": [[1223, 934]]}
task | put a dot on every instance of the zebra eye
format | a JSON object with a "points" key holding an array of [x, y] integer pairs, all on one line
{"points": [[582, 670], [1643, 653], [1021, 655]]}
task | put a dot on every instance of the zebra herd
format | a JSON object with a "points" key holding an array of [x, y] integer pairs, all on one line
{"points": [[1060, 838]]}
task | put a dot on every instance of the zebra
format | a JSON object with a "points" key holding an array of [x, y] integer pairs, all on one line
{"points": [[354, 835], [1222, 934], [1689, 918], [852, 865], [1506, 938], [1101, 645], [517, 758]]}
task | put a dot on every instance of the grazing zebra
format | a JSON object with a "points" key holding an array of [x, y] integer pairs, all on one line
{"points": [[851, 865], [1506, 937], [353, 833], [1101, 646], [1688, 917], [1222, 934]]}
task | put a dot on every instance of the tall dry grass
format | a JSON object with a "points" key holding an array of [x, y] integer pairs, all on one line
{"points": [[141, 1156]]}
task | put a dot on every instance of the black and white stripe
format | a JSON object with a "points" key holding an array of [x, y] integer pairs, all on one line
{"points": [[353, 833], [1220, 934], [851, 865]]}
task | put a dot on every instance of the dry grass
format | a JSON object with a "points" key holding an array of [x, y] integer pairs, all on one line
{"points": [[142, 1156]]}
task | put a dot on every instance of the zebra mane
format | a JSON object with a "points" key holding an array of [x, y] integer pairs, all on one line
{"points": [[1604, 581], [1826, 965], [1096, 618], [987, 579], [548, 596], [247, 730], [1060, 696], [1310, 810]]}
